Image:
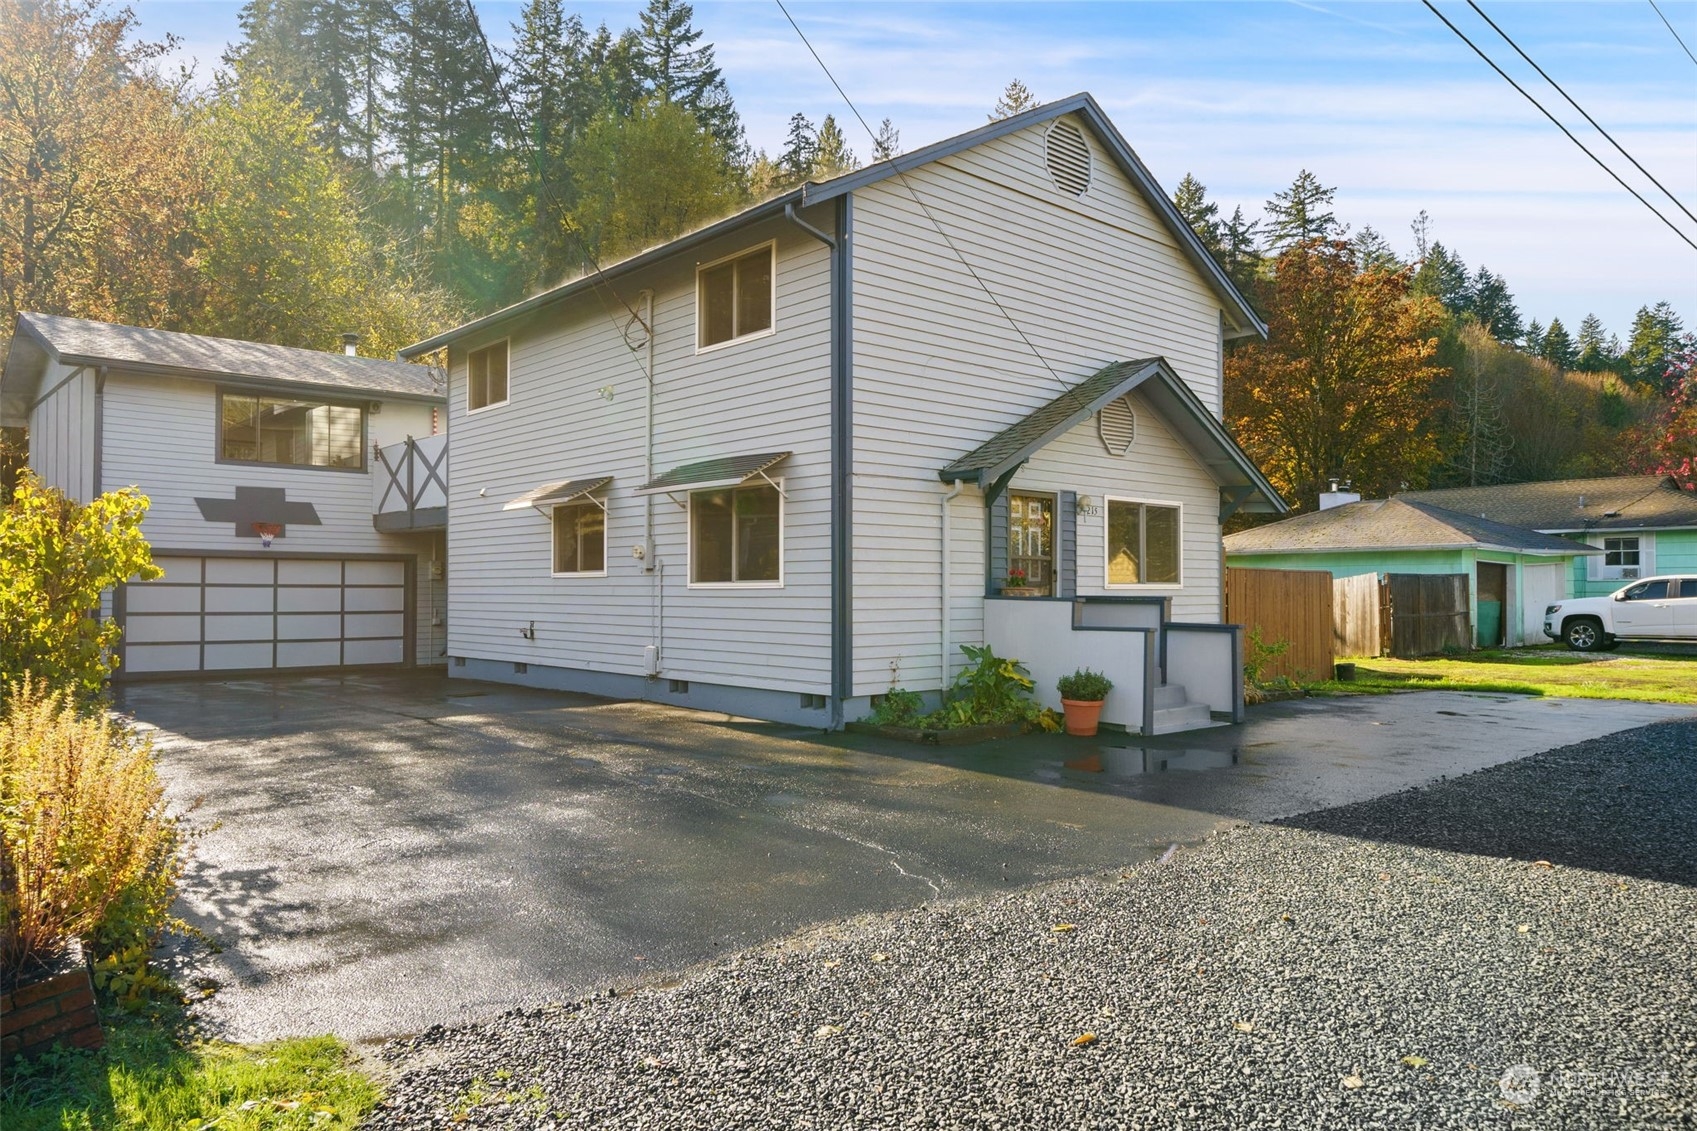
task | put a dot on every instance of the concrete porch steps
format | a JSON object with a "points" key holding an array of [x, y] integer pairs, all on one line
{"points": [[1175, 712]]}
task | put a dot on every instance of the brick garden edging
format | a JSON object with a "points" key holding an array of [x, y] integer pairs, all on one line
{"points": [[58, 1010]]}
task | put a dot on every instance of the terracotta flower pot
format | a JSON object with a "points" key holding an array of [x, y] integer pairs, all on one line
{"points": [[1082, 715]]}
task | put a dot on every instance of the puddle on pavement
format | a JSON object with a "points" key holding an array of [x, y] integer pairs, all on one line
{"points": [[1133, 761]]}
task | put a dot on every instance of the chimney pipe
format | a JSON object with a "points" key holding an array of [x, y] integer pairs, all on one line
{"points": [[350, 344]]}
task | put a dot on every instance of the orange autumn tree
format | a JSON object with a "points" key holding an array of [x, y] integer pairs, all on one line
{"points": [[1343, 387]]}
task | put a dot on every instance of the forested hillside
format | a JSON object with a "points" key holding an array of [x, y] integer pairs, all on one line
{"points": [[377, 166]]}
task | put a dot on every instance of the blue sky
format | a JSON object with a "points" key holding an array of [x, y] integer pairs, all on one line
{"points": [[1378, 99]]}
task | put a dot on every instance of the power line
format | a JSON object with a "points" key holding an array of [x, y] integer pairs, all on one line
{"points": [[1677, 40], [895, 163], [1462, 36], [1581, 109]]}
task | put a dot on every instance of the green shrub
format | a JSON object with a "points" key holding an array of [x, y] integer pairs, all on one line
{"points": [[90, 851], [898, 709], [994, 690], [57, 557], [1084, 686]]}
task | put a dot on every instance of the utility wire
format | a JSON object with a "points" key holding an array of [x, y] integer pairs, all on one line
{"points": [[1677, 203], [1677, 40], [895, 163], [1463, 37], [548, 189]]}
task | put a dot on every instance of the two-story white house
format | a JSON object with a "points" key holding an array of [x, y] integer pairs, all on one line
{"points": [[298, 497], [784, 463]]}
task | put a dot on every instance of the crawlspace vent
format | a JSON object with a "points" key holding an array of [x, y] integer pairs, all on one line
{"points": [[1069, 158], [1117, 425]]}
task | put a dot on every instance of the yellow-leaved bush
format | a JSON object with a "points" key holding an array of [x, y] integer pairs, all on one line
{"points": [[90, 850]]}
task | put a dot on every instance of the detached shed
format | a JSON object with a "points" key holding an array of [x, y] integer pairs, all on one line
{"points": [[1513, 572]]}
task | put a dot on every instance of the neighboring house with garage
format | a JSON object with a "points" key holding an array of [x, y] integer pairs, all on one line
{"points": [[785, 463], [298, 497], [1643, 524], [1513, 573]]}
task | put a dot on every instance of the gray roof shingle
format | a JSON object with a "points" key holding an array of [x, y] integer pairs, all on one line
{"points": [[1392, 524], [79, 341], [1621, 502]]}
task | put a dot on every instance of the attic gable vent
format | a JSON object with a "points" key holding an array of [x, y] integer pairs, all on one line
{"points": [[1069, 158], [1117, 425]]}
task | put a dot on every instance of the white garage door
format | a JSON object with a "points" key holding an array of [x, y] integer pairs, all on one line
{"points": [[238, 614], [1545, 585]]}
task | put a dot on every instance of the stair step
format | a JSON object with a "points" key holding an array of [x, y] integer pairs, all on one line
{"points": [[1190, 716], [1170, 695]]}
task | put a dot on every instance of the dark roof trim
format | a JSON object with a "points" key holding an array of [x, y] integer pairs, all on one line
{"points": [[1165, 390], [557, 494], [725, 471], [1248, 322]]}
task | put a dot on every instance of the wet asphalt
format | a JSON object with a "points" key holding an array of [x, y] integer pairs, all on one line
{"points": [[382, 853]]}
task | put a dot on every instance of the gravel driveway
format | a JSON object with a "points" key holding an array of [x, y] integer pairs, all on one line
{"points": [[1512, 948]]}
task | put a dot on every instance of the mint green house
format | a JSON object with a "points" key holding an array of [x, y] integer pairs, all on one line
{"points": [[1513, 572], [1642, 524]]}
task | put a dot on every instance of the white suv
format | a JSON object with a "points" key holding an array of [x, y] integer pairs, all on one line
{"points": [[1657, 608]]}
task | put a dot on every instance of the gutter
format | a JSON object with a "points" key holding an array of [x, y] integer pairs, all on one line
{"points": [[842, 450]]}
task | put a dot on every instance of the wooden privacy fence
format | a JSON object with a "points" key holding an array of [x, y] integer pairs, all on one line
{"points": [[1292, 605], [1361, 615], [1429, 613]]}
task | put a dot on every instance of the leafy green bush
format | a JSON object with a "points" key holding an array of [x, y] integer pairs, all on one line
{"points": [[89, 851], [994, 690], [1258, 656], [1084, 686], [57, 557], [898, 709]]}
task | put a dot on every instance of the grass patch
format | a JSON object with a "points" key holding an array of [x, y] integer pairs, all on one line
{"points": [[1530, 671], [152, 1074]]}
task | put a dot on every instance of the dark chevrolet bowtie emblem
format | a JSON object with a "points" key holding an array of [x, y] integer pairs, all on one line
{"points": [[258, 505]]}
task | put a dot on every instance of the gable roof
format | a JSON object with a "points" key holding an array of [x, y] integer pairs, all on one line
{"points": [[1241, 314], [1621, 502], [137, 349], [1394, 524], [1000, 455]]}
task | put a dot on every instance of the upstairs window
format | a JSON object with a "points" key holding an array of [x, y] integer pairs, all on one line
{"points": [[486, 377], [1145, 543], [734, 298], [580, 539], [290, 432], [736, 536]]}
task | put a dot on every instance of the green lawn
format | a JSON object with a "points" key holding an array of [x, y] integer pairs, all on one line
{"points": [[1532, 671], [152, 1075]]}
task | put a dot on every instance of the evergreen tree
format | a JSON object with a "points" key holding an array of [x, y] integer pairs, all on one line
{"points": [[1655, 329], [1557, 347], [831, 155], [1443, 276], [1016, 99], [1594, 353], [1300, 213], [1203, 216], [1533, 342], [1489, 301], [1482, 455], [888, 143], [801, 147], [1373, 252], [1239, 248], [671, 65]]}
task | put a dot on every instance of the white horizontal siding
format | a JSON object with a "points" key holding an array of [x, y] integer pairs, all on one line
{"points": [[938, 370], [576, 409]]}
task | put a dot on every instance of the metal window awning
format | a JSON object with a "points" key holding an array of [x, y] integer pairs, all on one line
{"points": [[556, 494], [727, 471]]}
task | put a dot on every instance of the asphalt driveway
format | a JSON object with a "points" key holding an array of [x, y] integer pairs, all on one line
{"points": [[383, 853]]}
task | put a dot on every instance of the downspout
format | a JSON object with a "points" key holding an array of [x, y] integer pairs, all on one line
{"points": [[656, 624], [949, 497], [99, 430], [842, 457]]}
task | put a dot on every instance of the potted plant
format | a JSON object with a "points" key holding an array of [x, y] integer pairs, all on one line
{"points": [[1082, 695], [1015, 585]]}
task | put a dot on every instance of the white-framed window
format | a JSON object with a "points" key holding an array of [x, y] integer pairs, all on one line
{"points": [[486, 376], [1624, 557], [580, 539], [1144, 543], [736, 536], [735, 297], [290, 432]]}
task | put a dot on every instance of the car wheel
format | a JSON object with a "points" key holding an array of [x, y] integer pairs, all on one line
{"points": [[1583, 634]]}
